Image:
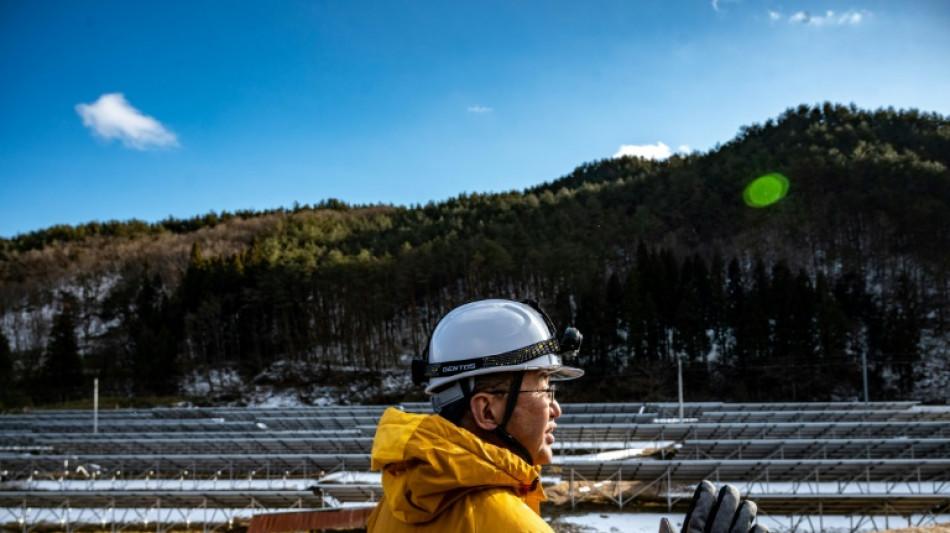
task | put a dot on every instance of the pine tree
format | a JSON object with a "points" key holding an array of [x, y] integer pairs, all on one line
{"points": [[151, 342], [840, 374], [62, 372], [902, 326], [6, 365]]}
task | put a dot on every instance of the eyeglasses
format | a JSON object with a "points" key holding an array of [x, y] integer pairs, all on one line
{"points": [[548, 393]]}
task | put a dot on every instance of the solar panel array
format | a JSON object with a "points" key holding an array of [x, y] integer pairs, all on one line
{"points": [[209, 466]]}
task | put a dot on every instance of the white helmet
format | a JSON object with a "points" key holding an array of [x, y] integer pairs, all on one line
{"points": [[490, 336]]}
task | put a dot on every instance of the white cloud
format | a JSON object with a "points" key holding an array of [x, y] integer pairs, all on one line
{"points": [[852, 18], [479, 109], [716, 3], [801, 16], [112, 117], [684, 149], [774, 15], [646, 151], [829, 18]]}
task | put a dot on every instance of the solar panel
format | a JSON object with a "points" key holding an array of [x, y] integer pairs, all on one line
{"points": [[25, 467], [780, 470], [754, 430], [828, 415], [815, 449], [166, 498], [883, 457], [345, 442]]}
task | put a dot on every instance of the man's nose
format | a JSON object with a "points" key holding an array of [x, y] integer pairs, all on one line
{"points": [[555, 409]]}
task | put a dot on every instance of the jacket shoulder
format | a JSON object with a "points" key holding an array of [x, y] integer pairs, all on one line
{"points": [[500, 510], [495, 510]]}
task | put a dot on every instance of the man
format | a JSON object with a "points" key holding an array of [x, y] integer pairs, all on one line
{"points": [[476, 465]]}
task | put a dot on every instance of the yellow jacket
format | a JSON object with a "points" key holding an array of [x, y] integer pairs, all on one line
{"points": [[438, 477]]}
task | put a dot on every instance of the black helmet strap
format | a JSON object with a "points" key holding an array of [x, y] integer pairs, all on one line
{"points": [[516, 380]]}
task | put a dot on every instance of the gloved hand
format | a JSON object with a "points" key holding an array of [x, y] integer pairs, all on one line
{"points": [[709, 513]]}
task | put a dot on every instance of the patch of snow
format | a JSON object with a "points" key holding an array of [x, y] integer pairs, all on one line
{"points": [[267, 398], [933, 383], [611, 522], [652, 445], [614, 522], [353, 478], [619, 455], [27, 323], [165, 484], [214, 380]]}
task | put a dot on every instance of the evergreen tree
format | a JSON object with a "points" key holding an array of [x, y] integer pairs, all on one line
{"points": [[691, 339], [151, 341], [358, 287], [62, 372], [840, 373], [763, 375], [735, 352], [717, 307], [6, 365], [902, 335]]}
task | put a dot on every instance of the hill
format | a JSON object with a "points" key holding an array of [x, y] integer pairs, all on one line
{"points": [[653, 261]]}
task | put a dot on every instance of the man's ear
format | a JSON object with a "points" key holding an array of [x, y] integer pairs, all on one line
{"points": [[483, 411]]}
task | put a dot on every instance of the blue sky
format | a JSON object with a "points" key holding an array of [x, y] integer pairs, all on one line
{"points": [[119, 110]]}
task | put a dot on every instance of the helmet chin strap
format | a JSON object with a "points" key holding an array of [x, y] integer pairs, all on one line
{"points": [[516, 379]]}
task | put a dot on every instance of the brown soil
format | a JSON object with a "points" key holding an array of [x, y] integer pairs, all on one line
{"points": [[602, 495], [939, 528]]}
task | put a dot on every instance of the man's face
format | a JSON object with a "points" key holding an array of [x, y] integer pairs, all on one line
{"points": [[532, 422]]}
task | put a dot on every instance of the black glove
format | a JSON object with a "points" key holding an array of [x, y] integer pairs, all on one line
{"points": [[723, 514]]}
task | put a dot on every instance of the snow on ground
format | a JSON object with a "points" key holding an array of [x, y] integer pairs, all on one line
{"points": [[354, 478], [934, 375], [610, 522], [622, 452], [286, 384], [183, 485], [616, 522], [596, 522]]}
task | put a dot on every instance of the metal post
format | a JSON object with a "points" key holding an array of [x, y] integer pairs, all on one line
{"points": [[95, 406], [864, 365], [620, 488], [572, 488], [669, 497], [679, 373]]}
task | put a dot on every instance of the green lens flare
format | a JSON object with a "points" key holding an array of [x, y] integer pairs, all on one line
{"points": [[765, 190]]}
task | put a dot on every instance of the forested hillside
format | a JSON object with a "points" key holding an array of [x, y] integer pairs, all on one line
{"points": [[652, 261]]}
